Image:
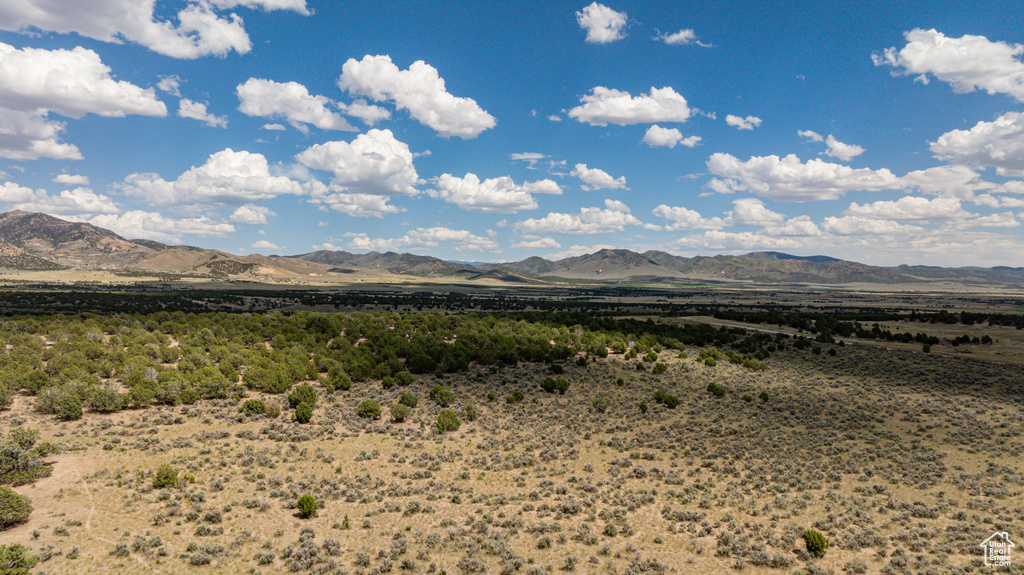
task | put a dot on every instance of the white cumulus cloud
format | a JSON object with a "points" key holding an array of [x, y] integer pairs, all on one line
{"points": [[493, 195], [790, 180], [251, 214], [170, 84], [373, 163], [289, 101], [140, 224], [30, 136], [420, 90], [264, 245], [686, 219], [77, 202], [967, 63], [810, 135], [545, 243], [841, 151], [752, 212], [954, 180], [462, 240], [227, 178], [72, 179], [200, 31], [860, 225], [999, 144], [681, 38], [614, 217], [296, 5], [197, 111], [911, 208], [605, 106], [657, 136], [35, 82], [601, 23], [368, 113], [596, 179], [748, 123]]}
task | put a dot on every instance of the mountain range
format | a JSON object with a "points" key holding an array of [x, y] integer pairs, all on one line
{"points": [[35, 241]]}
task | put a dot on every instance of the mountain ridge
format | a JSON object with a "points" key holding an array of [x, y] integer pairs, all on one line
{"points": [[34, 241]]}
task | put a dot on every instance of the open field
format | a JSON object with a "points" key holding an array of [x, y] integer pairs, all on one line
{"points": [[904, 460]]}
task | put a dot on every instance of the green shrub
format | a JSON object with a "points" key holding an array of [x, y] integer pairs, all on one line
{"points": [[302, 394], [140, 397], [68, 407], [34, 381], [368, 409], [753, 364], [105, 399], [15, 560], [442, 395], [211, 383], [551, 385], [387, 382], [447, 421], [273, 380], [710, 362], [189, 396], [399, 412], [716, 390], [643, 407], [165, 476], [711, 352], [602, 403], [14, 508], [337, 377], [21, 457], [6, 396], [304, 412], [666, 399], [404, 378], [470, 412], [515, 397], [816, 543], [409, 398], [420, 362], [659, 368], [763, 396], [253, 407], [307, 506]]}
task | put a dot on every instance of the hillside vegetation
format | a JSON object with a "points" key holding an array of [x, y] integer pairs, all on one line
{"points": [[480, 442]]}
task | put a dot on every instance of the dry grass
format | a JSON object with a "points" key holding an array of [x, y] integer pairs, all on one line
{"points": [[906, 462]]}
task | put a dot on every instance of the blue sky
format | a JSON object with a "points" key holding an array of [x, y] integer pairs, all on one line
{"points": [[493, 131]]}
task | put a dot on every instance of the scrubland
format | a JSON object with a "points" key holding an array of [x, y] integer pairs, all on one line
{"points": [[644, 457]]}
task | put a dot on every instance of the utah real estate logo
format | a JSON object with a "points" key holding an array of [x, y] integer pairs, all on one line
{"points": [[997, 549]]}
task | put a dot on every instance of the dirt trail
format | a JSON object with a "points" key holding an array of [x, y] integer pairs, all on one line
{"points": [[65, 483]]}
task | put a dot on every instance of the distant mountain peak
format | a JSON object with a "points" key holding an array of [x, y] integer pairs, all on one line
{"points": [[39, 241], [776, 256]]}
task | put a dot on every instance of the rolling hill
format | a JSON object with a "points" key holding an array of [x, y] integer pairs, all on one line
{"points": [[33, 241]]}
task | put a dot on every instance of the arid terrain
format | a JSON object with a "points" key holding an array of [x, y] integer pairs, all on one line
{"points": [[651, 458]]}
